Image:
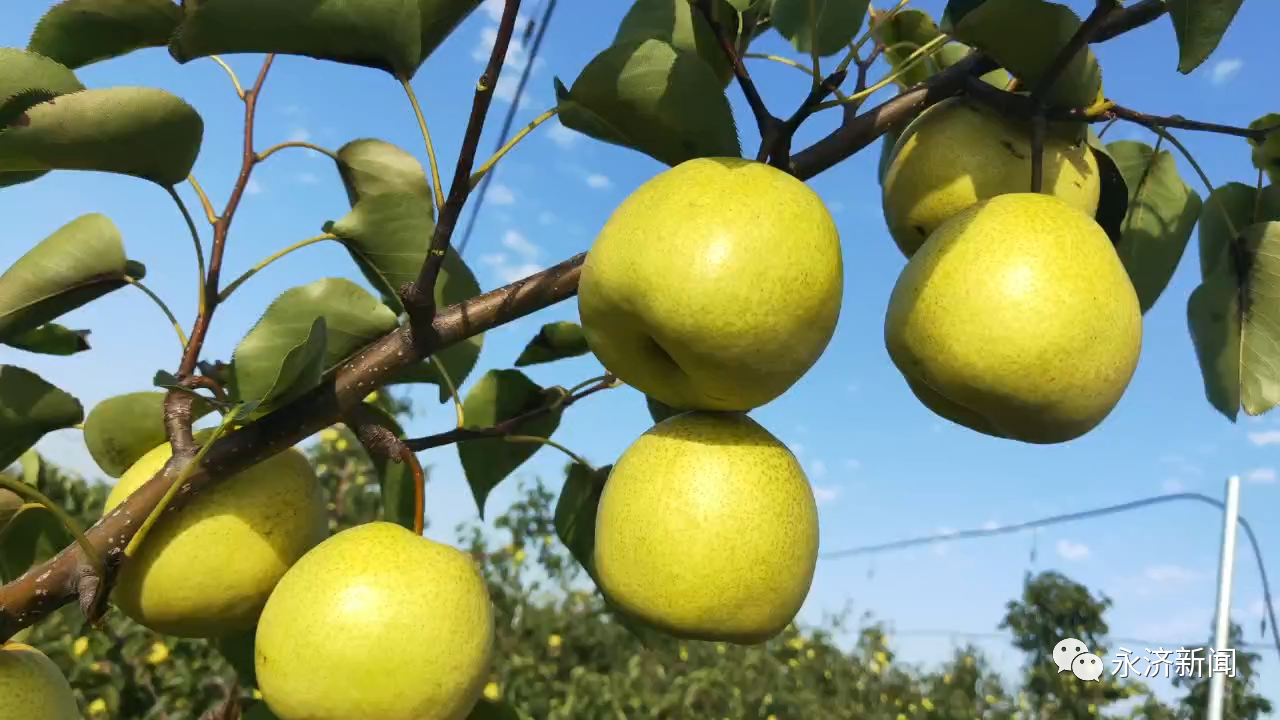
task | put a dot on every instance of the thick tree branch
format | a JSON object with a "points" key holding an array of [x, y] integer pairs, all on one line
{"points": [[419, 298]]}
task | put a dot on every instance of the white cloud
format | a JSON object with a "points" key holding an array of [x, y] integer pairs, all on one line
{"points": [[546, 217], [1073, 551], [598, 181], [797, 449], [852, 465], [1172, 486], [991, 525], [825, 495], [940, 547], [1265, 476], [520, 244], [506, 270], [1169, 574], [299, 134], [254, 187], [307, 178], [835, 206], [562, 136], [517, 55], [1266, 437], [819, 469], [1224, 70], [500, 194]]}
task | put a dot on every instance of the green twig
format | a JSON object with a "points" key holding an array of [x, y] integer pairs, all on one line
{"points": [[177, 327], [195, 234], [550, 443], [479, 174], [453, 389], [436, 188], [222, 296], [920, 55], [230, 73], [296, 144]]}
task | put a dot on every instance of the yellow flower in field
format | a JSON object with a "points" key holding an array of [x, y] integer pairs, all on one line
{"points": [[684, 654], [793, 663], [768, 699], [911, 707], [874, 666], [372, 397], [720, 648], [882, 658], [772, 717], [158, 654], [548, 539], [98, 707], [926, 703], [519, 557], [946, 679], [1093, 709], [257, 694], [796, 643], [340, 445], [810, 653], [990, 700], [492, 691], [554, 641], [328, 435], [903, 716], [81, 646]]}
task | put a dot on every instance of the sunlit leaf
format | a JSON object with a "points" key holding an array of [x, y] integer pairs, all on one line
{"points": [[1266, 154], [677, 22], [827, 25], [1235, 324], [51, 339], [79, 32], [305, 332], [391, 35], [138, 131], [1231, 208], [1199, 26], [501, 395], [30, 408], [1163, 211], [575, 515], [654, 98], [121, 429], [902, 34], [79, 263], [554, 341], [22, 71]]}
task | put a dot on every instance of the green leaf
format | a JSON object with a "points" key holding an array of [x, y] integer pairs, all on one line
{"points": [[678, 23], [30, 408], [51, 339], [1266, 154], [827, 25], [1113, 191], [488, 709], [1024, 37], [1163, 211], [121, 429], [79, 263], [32, 466], [10, 504], [32, 536], [79, 32], [392, 35], [575, 516], [395, 479], [237, 649], [22, 71], [555, 341], [659, 410], [501, 395], [905, 32], [654, 98], [1230, 209], [953, 52], [138, 131], [388, 232], [1235, 324], [1199, 26], [9, 179], [305, 333]]}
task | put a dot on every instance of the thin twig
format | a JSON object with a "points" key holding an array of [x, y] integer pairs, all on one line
{"points": [[201, 273], [226, 292], [1078, 42], [766, 123], [173, 320], [419, 297], [295, 144], [230, 73], [484, 169], [209, 214], [436, 189]]}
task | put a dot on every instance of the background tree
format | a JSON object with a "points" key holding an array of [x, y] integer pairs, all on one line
{"points": [[1242, 699]]}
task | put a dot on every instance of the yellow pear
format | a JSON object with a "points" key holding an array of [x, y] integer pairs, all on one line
{"points": [[1018, 320], [716, 285], [376, 622], [207, 571], [707, 528], [32, 687], [960, 152]]}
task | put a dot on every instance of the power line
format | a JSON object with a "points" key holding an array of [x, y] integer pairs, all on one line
{"points": [[877, 548], [510, 118], [891, 633]]}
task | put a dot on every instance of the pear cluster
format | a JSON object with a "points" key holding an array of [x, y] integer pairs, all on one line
{"points": [[1014, 316], [713, 288]]}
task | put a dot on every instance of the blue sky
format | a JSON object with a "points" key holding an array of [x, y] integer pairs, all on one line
{"points": [[882, 466]]}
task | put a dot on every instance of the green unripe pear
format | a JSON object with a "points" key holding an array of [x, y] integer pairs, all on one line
{"points": [[707, 528], [376, 622], [960, 152], [1017, 319], [207, 571], [716, 285], [32, 687]]}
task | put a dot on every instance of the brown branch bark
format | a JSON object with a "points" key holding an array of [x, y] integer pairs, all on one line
{"points": [[54, 583], [1079, 41]]}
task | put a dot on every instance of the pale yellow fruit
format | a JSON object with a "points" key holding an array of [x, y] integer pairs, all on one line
{"points": [[207, 571], [376, 622], [1017, 319], [32, 687], [716, 285], [708, 529], [960, 152]]}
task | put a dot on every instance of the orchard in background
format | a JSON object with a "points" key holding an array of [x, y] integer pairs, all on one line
{"points": [[1033, 251]]}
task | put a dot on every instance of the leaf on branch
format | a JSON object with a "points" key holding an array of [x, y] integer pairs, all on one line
{"points": [[497, 396], [80, 32], [22, 71], [825, 25], [395, 479], [1199, 26], [143, 132], [388, 233], [678, 23], [1024, 37], [51, 339], [659, 410], [554, 341], [953, 52], [488, 709], [32, 536], [1163, 211], [1266, 154], [305, 333], [1235, 324], [1230, 209], [654, 98], [30, 408], [1113, 191], [32, 466], [396, 36], [121, 429], [237, 650], [905, 32], [79, 263]]}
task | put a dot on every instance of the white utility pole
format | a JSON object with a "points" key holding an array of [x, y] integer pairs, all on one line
{"points": [[1226, 576]]}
